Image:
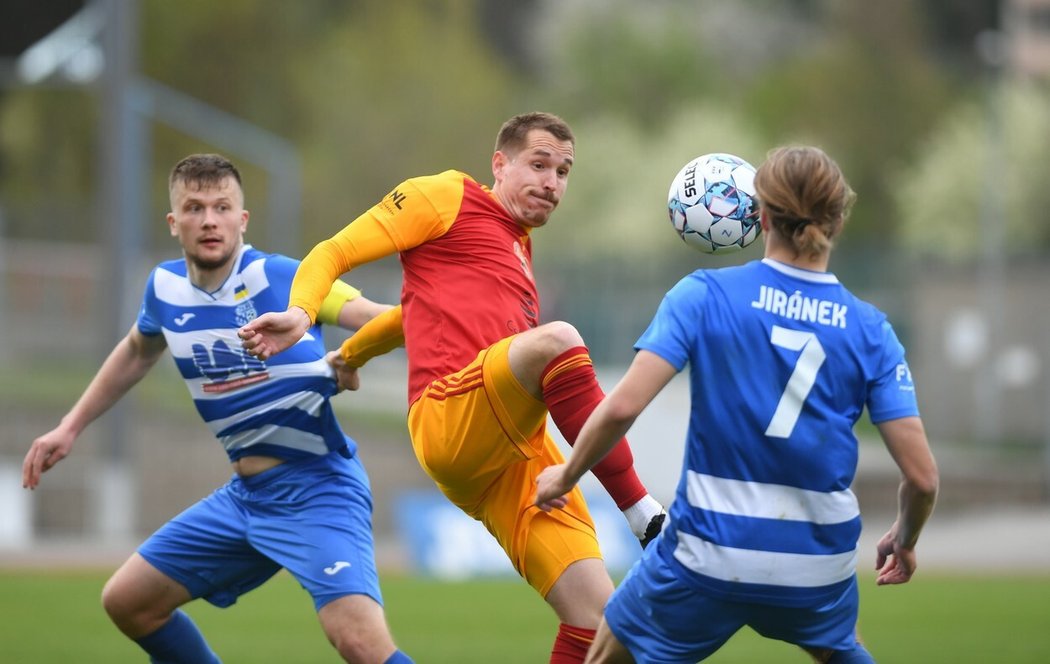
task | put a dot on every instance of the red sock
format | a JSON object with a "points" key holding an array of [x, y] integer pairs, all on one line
{"points": [[571, 644], [571, 392]]}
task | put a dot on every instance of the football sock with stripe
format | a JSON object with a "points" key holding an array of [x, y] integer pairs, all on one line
{"points": [[178, 641], [571, 392], [398, 658], [571, 644]]}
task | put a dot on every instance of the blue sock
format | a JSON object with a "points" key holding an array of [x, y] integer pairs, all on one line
{"points": [[178, 641], [859, 655], [398, 658]]}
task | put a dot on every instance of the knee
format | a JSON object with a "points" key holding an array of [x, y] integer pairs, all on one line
{"points": [[356, 627], [360, 645], [114, 601], [558, 337], [129, 612], [119, 605]]}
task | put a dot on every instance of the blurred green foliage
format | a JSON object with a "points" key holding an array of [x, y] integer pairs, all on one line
{"points": [[373, 92], [949, 199]]}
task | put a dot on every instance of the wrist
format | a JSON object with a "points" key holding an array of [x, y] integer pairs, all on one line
{"points": [[905, 540], [303, 319]]}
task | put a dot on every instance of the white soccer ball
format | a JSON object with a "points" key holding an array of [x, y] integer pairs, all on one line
{"points": [[712, 204]]}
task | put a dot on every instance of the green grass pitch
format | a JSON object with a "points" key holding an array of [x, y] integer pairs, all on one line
{"points": [[56, 617]]}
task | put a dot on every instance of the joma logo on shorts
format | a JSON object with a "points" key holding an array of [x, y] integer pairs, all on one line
{"points": [[336, 568]]}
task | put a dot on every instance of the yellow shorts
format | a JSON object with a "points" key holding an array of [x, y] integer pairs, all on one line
{"points": [[483, 439]]}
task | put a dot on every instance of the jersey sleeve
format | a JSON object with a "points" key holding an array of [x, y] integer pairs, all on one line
{"points": [[147, 321], [377, 337], [671, 332], [416, 211], [891, 393]]}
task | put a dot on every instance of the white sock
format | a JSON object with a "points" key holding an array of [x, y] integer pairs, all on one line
{"points": [[641, 513]]}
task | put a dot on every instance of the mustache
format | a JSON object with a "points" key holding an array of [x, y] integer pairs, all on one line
{"points": [[547, 195]]}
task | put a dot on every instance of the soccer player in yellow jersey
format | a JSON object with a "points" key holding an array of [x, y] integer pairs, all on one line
{"points": [[483, 371]]}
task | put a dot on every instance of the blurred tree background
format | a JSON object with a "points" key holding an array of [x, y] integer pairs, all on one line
{"points": [[369, 93], [940, 124], [373, 92]]}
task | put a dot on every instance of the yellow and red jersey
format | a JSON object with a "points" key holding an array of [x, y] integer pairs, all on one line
{"points": [[467, 270]]}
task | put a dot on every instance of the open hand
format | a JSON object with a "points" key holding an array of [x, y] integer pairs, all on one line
{"points": [[273, 332]]}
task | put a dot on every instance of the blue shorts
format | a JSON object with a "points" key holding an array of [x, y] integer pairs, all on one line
{"points": [[312, 517], [659, 617]]}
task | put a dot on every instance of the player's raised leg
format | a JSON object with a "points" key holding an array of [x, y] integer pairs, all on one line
{"points": [[144, 604], [553, 364]]}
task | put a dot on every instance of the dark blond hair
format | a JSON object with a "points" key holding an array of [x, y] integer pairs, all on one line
{"points": [[514, 131], [805, 197]]}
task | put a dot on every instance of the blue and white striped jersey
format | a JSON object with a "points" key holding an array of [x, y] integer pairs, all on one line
{"points": [[783, 362], [277, 408]]}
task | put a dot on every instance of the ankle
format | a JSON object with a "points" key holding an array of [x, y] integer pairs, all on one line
{"points": [[641, 513]]}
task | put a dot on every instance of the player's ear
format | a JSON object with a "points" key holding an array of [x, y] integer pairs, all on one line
{"points": [[244, 220], [499, 162], [170, 217]]}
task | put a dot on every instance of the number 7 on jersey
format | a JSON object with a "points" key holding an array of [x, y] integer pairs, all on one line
{"points": [[811, 357]]}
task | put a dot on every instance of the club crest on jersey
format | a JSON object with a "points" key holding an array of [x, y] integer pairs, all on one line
{"points": [[246, 313], [522, 259]]}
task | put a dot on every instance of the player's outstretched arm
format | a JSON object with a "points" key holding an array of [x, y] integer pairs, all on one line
{"points": [[905, 438], [274, 332], [612, 418], [380, 335], [128, 362], [552, 486], [356, 313]]}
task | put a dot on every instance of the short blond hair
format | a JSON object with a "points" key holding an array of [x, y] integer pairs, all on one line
{"points": [[203, 170]]}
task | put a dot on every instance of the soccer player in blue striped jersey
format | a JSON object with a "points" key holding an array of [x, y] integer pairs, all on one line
{"points": [[783, 360], [298, 498]]}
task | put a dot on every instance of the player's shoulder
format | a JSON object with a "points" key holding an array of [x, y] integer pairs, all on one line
{"points": [[864, 315], [442, 193], [870, 314], [251, 255], [730, 274], [867, 311], [439, 181], [276, 267], [693, 287], [175, 267]]}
